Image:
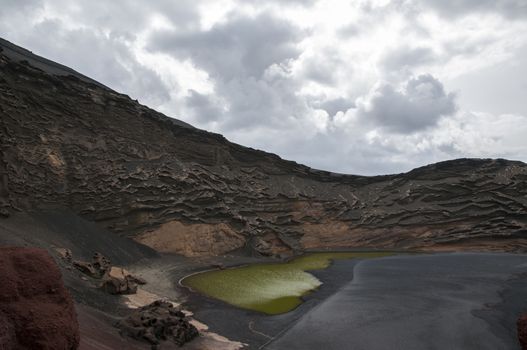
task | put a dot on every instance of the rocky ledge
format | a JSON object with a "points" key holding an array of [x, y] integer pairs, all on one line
{"points": [[66, 141]]}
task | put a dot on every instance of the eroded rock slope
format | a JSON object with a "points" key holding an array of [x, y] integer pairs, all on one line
{"points": [[67, 141]]}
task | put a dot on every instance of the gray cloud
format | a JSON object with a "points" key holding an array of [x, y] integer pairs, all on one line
{"points": [[466, 47], [319, 71], [105, 58], [247, 58], [323, 67], [456, 8], [240, 46], [348, 30], [247, 103], [404, 58], [202, 107], [333, 106], [419, 106], [267, 102], [181, 13], [285, 2], [129, 16], [9, 7]]}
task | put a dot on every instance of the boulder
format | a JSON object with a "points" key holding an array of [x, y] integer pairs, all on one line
{"points": [[218, 266], [64, 254], [118, 281], [4, 213], [86, 268], [137, 279], [36, 311], [98, 268], [157, 322], [101, 263], [115, 280]]}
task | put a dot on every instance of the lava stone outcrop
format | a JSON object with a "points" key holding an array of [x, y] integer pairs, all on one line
{"points": [[119, 281], [36, 311], [98, 268], [115, 280], [158, 322]]}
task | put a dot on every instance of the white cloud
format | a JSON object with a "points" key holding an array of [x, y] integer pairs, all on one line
{"points": [[242, 46], [364, 86]]}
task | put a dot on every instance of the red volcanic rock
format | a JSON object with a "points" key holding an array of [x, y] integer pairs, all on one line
{"points": [[36, 311], [522, 331]]}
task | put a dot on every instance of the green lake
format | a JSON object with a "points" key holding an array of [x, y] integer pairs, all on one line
{"points": [[272, 288]]}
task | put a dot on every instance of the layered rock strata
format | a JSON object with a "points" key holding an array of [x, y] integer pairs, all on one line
{"points": [[66, 141]]}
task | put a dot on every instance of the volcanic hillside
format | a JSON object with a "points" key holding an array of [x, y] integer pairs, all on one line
{"points": [[67, 141]]}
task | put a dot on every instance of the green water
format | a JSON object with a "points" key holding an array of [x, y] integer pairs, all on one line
{"points": [[269, 288]]}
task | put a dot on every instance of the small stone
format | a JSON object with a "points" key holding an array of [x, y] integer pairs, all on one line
{"points": [[137, 279], [86, 268], [101, 263], [65, 254], [4, 213], [218, 266]]}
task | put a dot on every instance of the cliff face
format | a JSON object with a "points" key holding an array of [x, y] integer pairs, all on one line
{"points": [[67, 141]]}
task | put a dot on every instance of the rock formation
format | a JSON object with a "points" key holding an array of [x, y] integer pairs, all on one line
{"points": [[158, 322], [36, 311], [66, 141], [115, 280], [119, 281], [99, 267]]}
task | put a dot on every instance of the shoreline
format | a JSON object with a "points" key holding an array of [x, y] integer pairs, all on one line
{"points": [[256, 328], [324, 261]]}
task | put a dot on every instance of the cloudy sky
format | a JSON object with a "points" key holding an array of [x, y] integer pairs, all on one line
{"points": [[363, 86]]}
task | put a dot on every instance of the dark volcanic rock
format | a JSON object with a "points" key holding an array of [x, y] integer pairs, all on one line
{"points": [[522, 331], [36, 311], [118, 281], [98, 268], [65, 254], [101, 263], [115, 280], [86, 268], [68, 142], [158, 322]]}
